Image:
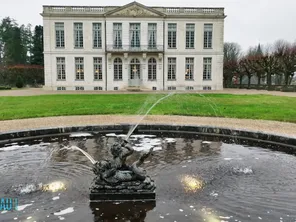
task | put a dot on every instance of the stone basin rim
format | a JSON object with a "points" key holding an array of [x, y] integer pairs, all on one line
{"points": [[198, 130]]}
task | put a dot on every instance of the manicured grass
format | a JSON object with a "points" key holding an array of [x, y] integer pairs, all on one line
{"points": [[216, 105]]}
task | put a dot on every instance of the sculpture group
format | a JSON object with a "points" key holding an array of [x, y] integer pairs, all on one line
{"points": [[115, 180]]}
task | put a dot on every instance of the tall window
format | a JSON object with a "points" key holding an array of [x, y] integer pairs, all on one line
{"points": [[190, 36], [208, 36], [60, 35], [135, 69], [117, 69], [172, 35], [189, 66], [97, 35], [172, 68], [207, 68], [152, 69], [117, 35], [78, 35], [135, 34], [61, 68], [152, 29], [98, 68], [79, 68]]}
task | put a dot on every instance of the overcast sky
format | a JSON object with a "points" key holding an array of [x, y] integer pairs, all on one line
{"points": [[248, 22]]}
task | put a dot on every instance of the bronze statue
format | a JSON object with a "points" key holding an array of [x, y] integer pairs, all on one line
{"points": [[115, 175]]}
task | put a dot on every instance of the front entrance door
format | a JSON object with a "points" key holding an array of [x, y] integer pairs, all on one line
{"points": [[135, 73]]}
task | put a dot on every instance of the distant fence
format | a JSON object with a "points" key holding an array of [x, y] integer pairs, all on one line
{"points": [[282, 88]]}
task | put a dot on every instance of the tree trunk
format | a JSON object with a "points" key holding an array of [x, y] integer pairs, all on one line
{"points": [[240, 81], [229, 82], [287, 75], [225, 81], [249, 80], [269, 79], [259, 80]]}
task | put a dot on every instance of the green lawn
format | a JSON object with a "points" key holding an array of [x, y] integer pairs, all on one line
{"points": [[217, 105]]}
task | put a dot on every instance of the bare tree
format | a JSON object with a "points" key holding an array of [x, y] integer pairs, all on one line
{"points": [[286, 55], [268, 63], [232, 53]]}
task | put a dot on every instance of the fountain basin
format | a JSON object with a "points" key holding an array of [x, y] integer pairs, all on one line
{"points": [[238, 136], [201, 173]]}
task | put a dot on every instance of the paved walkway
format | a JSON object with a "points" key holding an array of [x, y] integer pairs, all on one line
{"points": [[273, 127], [38, 91]]}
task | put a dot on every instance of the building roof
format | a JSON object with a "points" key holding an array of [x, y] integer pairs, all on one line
{"points": [[133, 9]]}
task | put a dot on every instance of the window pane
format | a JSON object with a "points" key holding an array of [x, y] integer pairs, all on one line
{"points": [[79, 68], [98, 75], [97, 35], [78, 35]]}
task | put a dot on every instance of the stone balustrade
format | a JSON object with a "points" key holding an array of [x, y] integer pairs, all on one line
{"points": [[190, 11], [76, 9], [104, 9]]}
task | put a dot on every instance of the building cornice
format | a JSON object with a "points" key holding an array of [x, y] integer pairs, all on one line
{"points": [[133, 9]]}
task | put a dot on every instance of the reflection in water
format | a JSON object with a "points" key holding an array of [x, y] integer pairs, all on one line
{"points": [[54, 186], [125, 211], [191, 184]]}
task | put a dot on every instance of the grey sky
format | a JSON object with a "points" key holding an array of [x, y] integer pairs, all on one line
{"points": [[248, 22]]}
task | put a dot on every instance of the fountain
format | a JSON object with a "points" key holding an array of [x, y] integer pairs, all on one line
{"points": [[117, 181], [203, 173]]}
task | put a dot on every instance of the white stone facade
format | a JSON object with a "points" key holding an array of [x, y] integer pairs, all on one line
{"points": [[194, 60]]}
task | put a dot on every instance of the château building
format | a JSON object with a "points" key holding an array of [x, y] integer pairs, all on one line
{"points": [[133, 46]]}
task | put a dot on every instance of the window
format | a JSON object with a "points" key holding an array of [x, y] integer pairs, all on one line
{"points": [[79, 88], [117, 35], [189, 67], [98, 88], [208, 36], [115, 88], [189, 88], [152, 29], [154, 88], [172, 68], [61, 88], [135, 69], [152, 69], [135, 34], [171, 87], [98, 68], [60, 35], [207, 88], [79, 68], [61, 68], [78, 35], [172, 35], [190, 36], [207, 68], [97, 35], [117, 69]]}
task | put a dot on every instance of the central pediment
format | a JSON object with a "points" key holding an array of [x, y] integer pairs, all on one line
{"points": [[134, 9]]}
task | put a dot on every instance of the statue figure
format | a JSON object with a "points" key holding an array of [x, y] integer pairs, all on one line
{"points": [[115, 171]]}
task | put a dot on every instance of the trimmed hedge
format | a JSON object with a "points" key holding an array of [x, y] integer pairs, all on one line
{"points": [[32, 75], [289, 89], [282, 88], [5, 88]]}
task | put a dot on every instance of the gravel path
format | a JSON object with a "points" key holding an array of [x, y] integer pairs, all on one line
{"points": [[273, 127], [38, 91]]}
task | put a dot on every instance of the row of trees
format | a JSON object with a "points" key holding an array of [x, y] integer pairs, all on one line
{"points": [[21, 53], [276, 64]]}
